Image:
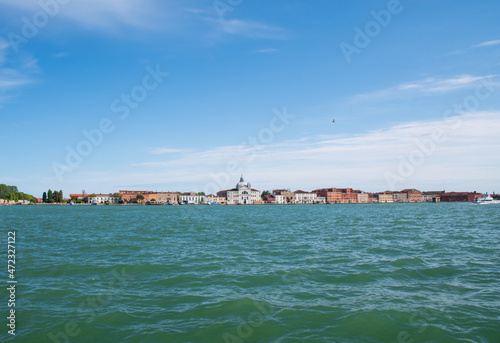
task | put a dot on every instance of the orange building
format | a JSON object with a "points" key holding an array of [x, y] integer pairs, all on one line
{"points": [[131, 196], [338, 195], [288, 196]]}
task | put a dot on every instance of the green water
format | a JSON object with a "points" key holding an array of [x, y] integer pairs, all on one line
{"points": [[322, 273]]}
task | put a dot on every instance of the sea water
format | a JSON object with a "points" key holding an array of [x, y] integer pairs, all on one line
{"points": [[289, 273]]}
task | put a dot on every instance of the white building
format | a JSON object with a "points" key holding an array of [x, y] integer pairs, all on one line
{"points": [[103, 198], [302, 197], [189, 198], [242, 194], [206, 199], [279, 199]]}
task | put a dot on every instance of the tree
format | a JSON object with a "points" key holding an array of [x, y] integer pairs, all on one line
{"points": [[201, 193], [50, 196], [61, 198], [12, 193], [44, 197], [265, 193], [139, 197], [117, 197]]}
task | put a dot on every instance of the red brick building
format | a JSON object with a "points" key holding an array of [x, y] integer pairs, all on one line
{"points": [[131, 196], [338, 195], [460, 196], [414, 195]]}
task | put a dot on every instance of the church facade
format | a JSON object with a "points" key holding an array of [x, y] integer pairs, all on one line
{"points": [[243, 194]]}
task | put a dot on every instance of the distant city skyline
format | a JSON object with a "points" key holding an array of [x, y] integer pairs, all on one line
{"points": [[169, 95]]}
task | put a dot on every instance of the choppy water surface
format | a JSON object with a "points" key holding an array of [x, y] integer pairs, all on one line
{"points": [[322, 273]]}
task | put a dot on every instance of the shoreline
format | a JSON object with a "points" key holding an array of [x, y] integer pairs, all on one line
{"points": [[265, 204]]}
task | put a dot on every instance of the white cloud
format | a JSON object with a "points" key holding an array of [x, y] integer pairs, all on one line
{"points": [[160, 151], [15, 70], [180, 18], [248, 28], [463, 161], [97, 13], [422, 87], [488, 43]]}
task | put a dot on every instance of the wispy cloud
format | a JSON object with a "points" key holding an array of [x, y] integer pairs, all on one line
{"points": [[422, 87], [249, 28], [160, 151], [488, 43], [178, 18], [97, 13], [358, 160], [15, 70]]}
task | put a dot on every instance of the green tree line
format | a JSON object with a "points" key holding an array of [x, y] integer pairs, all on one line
{"points": [[52, 197], [12, 193]]}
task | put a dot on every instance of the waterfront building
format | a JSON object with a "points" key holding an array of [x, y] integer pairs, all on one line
{"points": [[320, 200], [242, 194], [400, 197], [189, 198], [363, 198], [385, 197], [338, 195], [330, 196], [348, 195], [102, 198], [288, 196], [414, 195], [274, 199], [302, 197], [99, 198], [432, 196], [162, 197], [278, 199], [131, 196], [78, 196], [460, 196], [219, 200], [205, 199]]}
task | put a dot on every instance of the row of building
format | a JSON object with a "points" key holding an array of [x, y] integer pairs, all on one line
{"points": [[243, 194], [14, 202]]}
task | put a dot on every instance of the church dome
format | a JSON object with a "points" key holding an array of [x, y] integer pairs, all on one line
{"points": [[242, 183]]}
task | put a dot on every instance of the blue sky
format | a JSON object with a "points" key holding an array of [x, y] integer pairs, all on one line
{"points": [[252, 88]]}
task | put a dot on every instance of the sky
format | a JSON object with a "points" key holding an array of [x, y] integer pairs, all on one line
{"points": [[188, 95]]}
